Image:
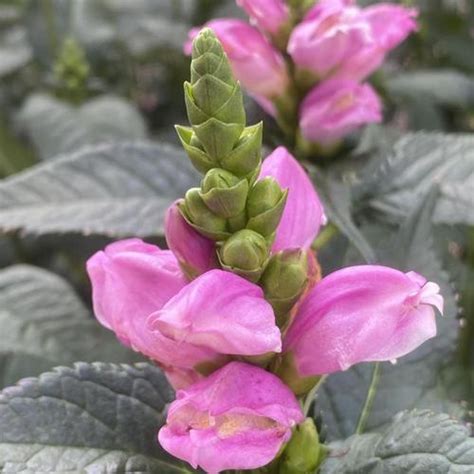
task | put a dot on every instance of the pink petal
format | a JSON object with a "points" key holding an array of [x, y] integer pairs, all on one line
{"points": [[223, 312], [304, 213], [131, 279], [359, 314], [268, 15], [195, 253]]}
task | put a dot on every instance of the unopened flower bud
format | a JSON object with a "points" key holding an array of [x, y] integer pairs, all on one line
{"points": [[246, 254], [213, 97], [303, 453], [224, 193], [265, 206], [284, 280], [245, 159], [201, 217], [194, 149]]}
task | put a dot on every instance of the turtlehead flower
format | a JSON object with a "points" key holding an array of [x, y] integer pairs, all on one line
{"points": [[268, 15], [237, 418], [303, 214], [340, 40], [361, 314], [140, 293], [336, 108], [258, 66], [195, 253]]}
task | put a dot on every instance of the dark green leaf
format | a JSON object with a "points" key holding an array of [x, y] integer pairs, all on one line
{"points": [[394, 182], [44, 324], [115, 190], [89, 418], [336, 196], [417, 442]]}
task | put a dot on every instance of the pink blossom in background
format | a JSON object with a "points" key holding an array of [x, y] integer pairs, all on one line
{"points": [[361, 314], [255, 62], [304, 213], [338, 39], [268, 15], [195, 253], [336, 108], [237, 418]]}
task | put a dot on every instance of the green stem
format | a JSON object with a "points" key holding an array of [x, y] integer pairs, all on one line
{"points": [[369, 401], [311, 394], [48, 14], [325, 236]]}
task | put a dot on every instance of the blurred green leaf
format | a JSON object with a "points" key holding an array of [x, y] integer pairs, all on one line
{"points": [[56, 127]]}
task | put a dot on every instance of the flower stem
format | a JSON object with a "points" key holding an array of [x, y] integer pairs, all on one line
{"points": [[369, 401], [311, 394]]}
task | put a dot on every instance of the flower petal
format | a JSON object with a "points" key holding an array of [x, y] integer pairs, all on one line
{"points": [[358, 314], [304, 213], [223, 312]]}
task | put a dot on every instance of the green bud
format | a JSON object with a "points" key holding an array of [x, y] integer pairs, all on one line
{"points": [[303, 453], [284, 280], [213, 98], [224, 193], [193, 147], [246, 156], [245, 253], [265, 206], [197, 214]]}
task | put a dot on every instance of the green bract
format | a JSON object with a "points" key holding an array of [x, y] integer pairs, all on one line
{"points": [[284, 280]]}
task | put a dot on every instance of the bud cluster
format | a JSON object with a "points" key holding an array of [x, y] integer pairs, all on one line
{"points": [[231, 207]]}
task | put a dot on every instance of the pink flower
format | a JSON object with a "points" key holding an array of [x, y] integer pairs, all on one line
{"points": [[304, 213], [196, 254], [238, 418], [339, 39], [360, 314], [140, 293], [268, 15], [255, 62], [336, 108]]}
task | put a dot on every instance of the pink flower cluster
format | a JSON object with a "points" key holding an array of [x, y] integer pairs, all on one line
{"points": [[208, 333], [335, 48]]}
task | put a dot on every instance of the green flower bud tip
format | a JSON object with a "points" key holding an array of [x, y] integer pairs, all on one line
{"points": [[213, 91], [224, 193], [201, 217], [303, 453], [246, 253], [265, 206], [285, 368]]}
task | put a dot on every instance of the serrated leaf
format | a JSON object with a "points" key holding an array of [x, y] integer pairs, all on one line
{"points": [[422, 379], [394, 181], [115, 190], [337, 202], [56, 127], [92, 417], [44, 324], [417, 442]]}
